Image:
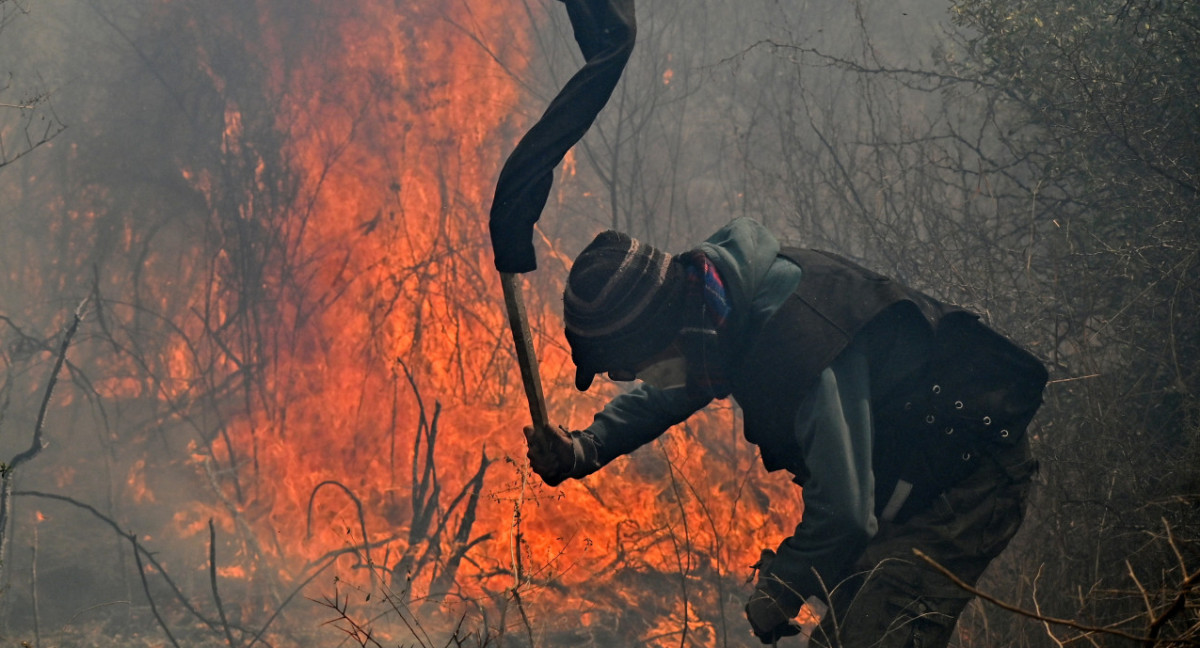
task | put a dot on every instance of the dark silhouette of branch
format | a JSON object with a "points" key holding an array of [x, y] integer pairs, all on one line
{"points": [[139, 551], [424, 483], [362, 520], [360, 634], [461, 543], [934, 79], [137, 557], [1180, 601], [212, 578], [1075, 625], [28, 109], [353, 549], [37, 443], [296, 590]]}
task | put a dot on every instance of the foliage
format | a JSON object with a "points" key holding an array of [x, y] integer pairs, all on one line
{"points": [[1115, 83], [1101, 108]]}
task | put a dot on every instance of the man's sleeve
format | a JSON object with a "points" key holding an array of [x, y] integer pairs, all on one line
{"points": [[834, 430], [630, 421]]}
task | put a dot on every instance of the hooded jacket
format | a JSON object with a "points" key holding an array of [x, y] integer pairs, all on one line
{"points": [[794, 314]]}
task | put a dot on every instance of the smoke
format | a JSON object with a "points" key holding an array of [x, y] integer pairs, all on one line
{"points": [[278, 210]]}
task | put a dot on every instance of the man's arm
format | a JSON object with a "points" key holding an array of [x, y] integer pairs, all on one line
{"points": [[626, 423], [834, 430]]}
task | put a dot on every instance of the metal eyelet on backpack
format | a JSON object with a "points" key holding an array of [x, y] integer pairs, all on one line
{"points": [[987, 420], [958, 405], [908, 406], [929, 418], [949, 431], [966, 456], [1003, 434], [937, 389]]}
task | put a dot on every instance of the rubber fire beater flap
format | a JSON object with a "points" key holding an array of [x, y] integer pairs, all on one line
{"points": [[605, 31]]}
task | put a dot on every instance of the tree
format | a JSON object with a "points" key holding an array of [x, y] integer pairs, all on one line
{"points": [[1101, 109]]}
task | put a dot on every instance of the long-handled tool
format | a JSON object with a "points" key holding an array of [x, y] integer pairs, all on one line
{"points": [[605, 31], [518, 321]]}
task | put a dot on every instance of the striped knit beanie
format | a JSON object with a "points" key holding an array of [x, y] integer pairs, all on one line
{"points": [[623, 304]]}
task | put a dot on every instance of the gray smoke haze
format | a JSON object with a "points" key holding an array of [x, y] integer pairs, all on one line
{"points": [[849, 126]]}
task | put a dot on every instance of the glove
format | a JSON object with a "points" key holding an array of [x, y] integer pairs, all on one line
{"points": [[551, 453], [770, 616], [768, 619]]}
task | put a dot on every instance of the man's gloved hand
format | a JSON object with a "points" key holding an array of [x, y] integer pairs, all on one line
{"points": [[551, 453], [770, 617]]}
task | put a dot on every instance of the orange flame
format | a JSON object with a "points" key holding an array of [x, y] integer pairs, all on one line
{"points": [[388, 329]]}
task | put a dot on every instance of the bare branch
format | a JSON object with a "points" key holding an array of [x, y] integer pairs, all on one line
{"points": [[212, 578], [1021, 611]]}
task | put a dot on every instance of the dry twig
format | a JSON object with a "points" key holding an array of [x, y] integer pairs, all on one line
{"points": [[1144, 639], [37, 443]]}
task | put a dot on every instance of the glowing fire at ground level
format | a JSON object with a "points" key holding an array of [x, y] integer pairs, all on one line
{"points": [[333, 348]]}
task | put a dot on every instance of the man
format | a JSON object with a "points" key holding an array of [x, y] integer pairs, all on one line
{"points": [[903, 418]]}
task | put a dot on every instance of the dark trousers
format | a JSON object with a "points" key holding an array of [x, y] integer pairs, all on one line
{"points": [[897, 599]]}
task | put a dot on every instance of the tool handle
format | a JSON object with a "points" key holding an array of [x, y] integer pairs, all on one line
{"points": [[526, 358]]}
